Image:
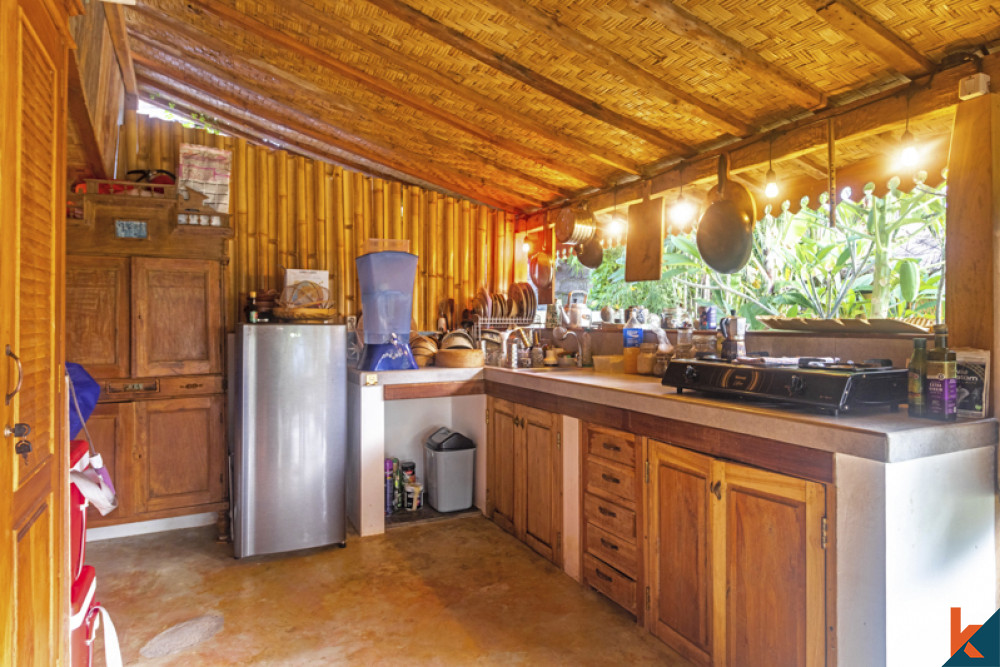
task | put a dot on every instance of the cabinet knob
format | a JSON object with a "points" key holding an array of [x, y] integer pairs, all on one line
{"points": [[717, 490], [20, 430], [609, 545], [610, 478], [606, 512], [614, 448]]}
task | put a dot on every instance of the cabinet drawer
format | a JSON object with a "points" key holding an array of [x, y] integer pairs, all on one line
{"points": [[610, 582], [613, 550], [611, 480], [618, 447], [609, 516]]}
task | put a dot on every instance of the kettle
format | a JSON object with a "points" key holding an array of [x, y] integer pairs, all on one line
{"points": [[734, 331]]}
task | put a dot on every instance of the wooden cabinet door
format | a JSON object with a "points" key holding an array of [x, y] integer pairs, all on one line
{"points": [[97, 314], [681, 533], [181, 452], [34, 488], [501, 456], [540, 521], [112, 428], [177, 323], [772, 569]]}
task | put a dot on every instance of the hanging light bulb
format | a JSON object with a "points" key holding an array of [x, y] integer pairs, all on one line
{"points": [[770, 179], [682, 212], [526, 248], [909, 156], [614, 227]]}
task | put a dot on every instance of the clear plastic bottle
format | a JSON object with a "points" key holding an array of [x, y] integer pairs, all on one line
{"points": [[631, 340]]}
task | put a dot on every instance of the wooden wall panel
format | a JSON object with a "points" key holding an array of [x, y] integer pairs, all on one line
{"points": [[293, 212]]}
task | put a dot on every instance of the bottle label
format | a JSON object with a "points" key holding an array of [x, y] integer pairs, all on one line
{"points": [[942, 388], [632, 337], [915, 388]]}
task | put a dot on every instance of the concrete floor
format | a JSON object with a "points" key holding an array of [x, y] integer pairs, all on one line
{"points": [[457, 592]]}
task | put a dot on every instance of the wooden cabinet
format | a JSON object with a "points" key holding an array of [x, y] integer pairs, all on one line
{"points": [[524, 481], [97, 312], [611, 519], [180, 452], [150, 330], [737, 561], [177, 320]]}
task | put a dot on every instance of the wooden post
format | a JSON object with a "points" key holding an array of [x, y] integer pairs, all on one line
{"points": [[301, 228], [972, 274], [340, 222], [281, 178], [239, 231], [247, 187], [263, 193]]}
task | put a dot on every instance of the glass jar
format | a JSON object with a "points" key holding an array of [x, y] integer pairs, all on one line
{"points": [[646, 359]]}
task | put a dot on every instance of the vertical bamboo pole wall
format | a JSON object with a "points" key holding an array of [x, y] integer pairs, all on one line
{"points": [[290, 211]]}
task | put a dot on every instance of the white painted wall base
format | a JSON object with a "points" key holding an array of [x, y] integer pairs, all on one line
{"points": [[154, 526], [914, 539]]}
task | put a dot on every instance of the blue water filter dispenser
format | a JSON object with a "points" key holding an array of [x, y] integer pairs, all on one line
{"points": [[386, 280]]}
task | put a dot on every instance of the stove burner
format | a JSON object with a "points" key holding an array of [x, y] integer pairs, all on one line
{"points": [[828, 385]]}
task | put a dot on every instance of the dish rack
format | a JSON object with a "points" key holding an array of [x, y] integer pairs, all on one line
{"points": [[498, 323]]}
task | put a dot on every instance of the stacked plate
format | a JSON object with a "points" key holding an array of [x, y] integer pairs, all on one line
{"points": [[520, 302]]}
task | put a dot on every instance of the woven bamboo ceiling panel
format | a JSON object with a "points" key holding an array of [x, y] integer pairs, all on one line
{"points": [[522, 103]]}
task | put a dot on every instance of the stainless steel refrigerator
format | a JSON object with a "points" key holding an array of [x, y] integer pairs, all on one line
{"points": [[289, 437]]}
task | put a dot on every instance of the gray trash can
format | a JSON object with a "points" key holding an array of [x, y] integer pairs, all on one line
{"points": [[449, 469]]}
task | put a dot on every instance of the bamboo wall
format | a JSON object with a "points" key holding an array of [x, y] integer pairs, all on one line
{"points": [[294, 212]]}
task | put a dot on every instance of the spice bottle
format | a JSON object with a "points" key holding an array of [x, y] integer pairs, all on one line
{"points": [[942, 378], [252, 315], [916, 402]]}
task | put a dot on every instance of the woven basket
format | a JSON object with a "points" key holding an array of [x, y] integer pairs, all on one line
{"points": [[306, 314]]}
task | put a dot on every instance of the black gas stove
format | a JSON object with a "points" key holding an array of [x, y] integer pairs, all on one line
{"points": [[827, 385]]}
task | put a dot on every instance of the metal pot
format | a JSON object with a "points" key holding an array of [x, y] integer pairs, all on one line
{"points": [[575, 226], [590, 253], [725, 232]]}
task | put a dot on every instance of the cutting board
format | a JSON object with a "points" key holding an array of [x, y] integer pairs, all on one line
{"points": [[644, 243]]}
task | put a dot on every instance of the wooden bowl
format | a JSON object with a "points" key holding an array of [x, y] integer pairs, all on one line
{"points": [[459, 358]]}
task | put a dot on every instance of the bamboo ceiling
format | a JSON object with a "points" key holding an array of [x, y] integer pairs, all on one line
{"points": [[521, 103]]}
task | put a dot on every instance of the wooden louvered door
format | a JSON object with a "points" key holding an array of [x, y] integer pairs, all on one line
{"points": [[33, 466]]}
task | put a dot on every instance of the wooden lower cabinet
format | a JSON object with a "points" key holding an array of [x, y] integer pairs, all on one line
{"points": [[524, 480], [737, 562], [167, 456]]}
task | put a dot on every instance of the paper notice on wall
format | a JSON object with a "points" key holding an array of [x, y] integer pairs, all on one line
{"points": [[205, 170]]}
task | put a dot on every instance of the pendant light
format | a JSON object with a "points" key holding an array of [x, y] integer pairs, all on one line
{"points": [[682, 211], [771, 179]]}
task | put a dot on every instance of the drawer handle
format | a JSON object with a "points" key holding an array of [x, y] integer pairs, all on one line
{"points": [[610, 478], [133, 387], [614, 448], [601, 575], [609, 545], [606, 512]]}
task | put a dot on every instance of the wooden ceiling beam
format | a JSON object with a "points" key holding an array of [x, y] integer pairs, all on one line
{"points": [[119, 42], [341, 29], [727, 49], [396, 159], [861, 118], [810, 166], [79, 115], [863, 28], [204, 66], [272, 35], [254, 132], [505, 65], [616, 64]]}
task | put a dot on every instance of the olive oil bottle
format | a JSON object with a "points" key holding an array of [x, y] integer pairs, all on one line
{"points": [[916, 401], [942, 378]]}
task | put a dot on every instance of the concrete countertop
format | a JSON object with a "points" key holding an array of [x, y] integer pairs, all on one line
{"points": [[884, 436], [418, 376]]}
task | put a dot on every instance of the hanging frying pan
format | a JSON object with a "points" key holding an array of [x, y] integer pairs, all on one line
{"points": [[590, 254], [575, 226], [725, 232]]}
